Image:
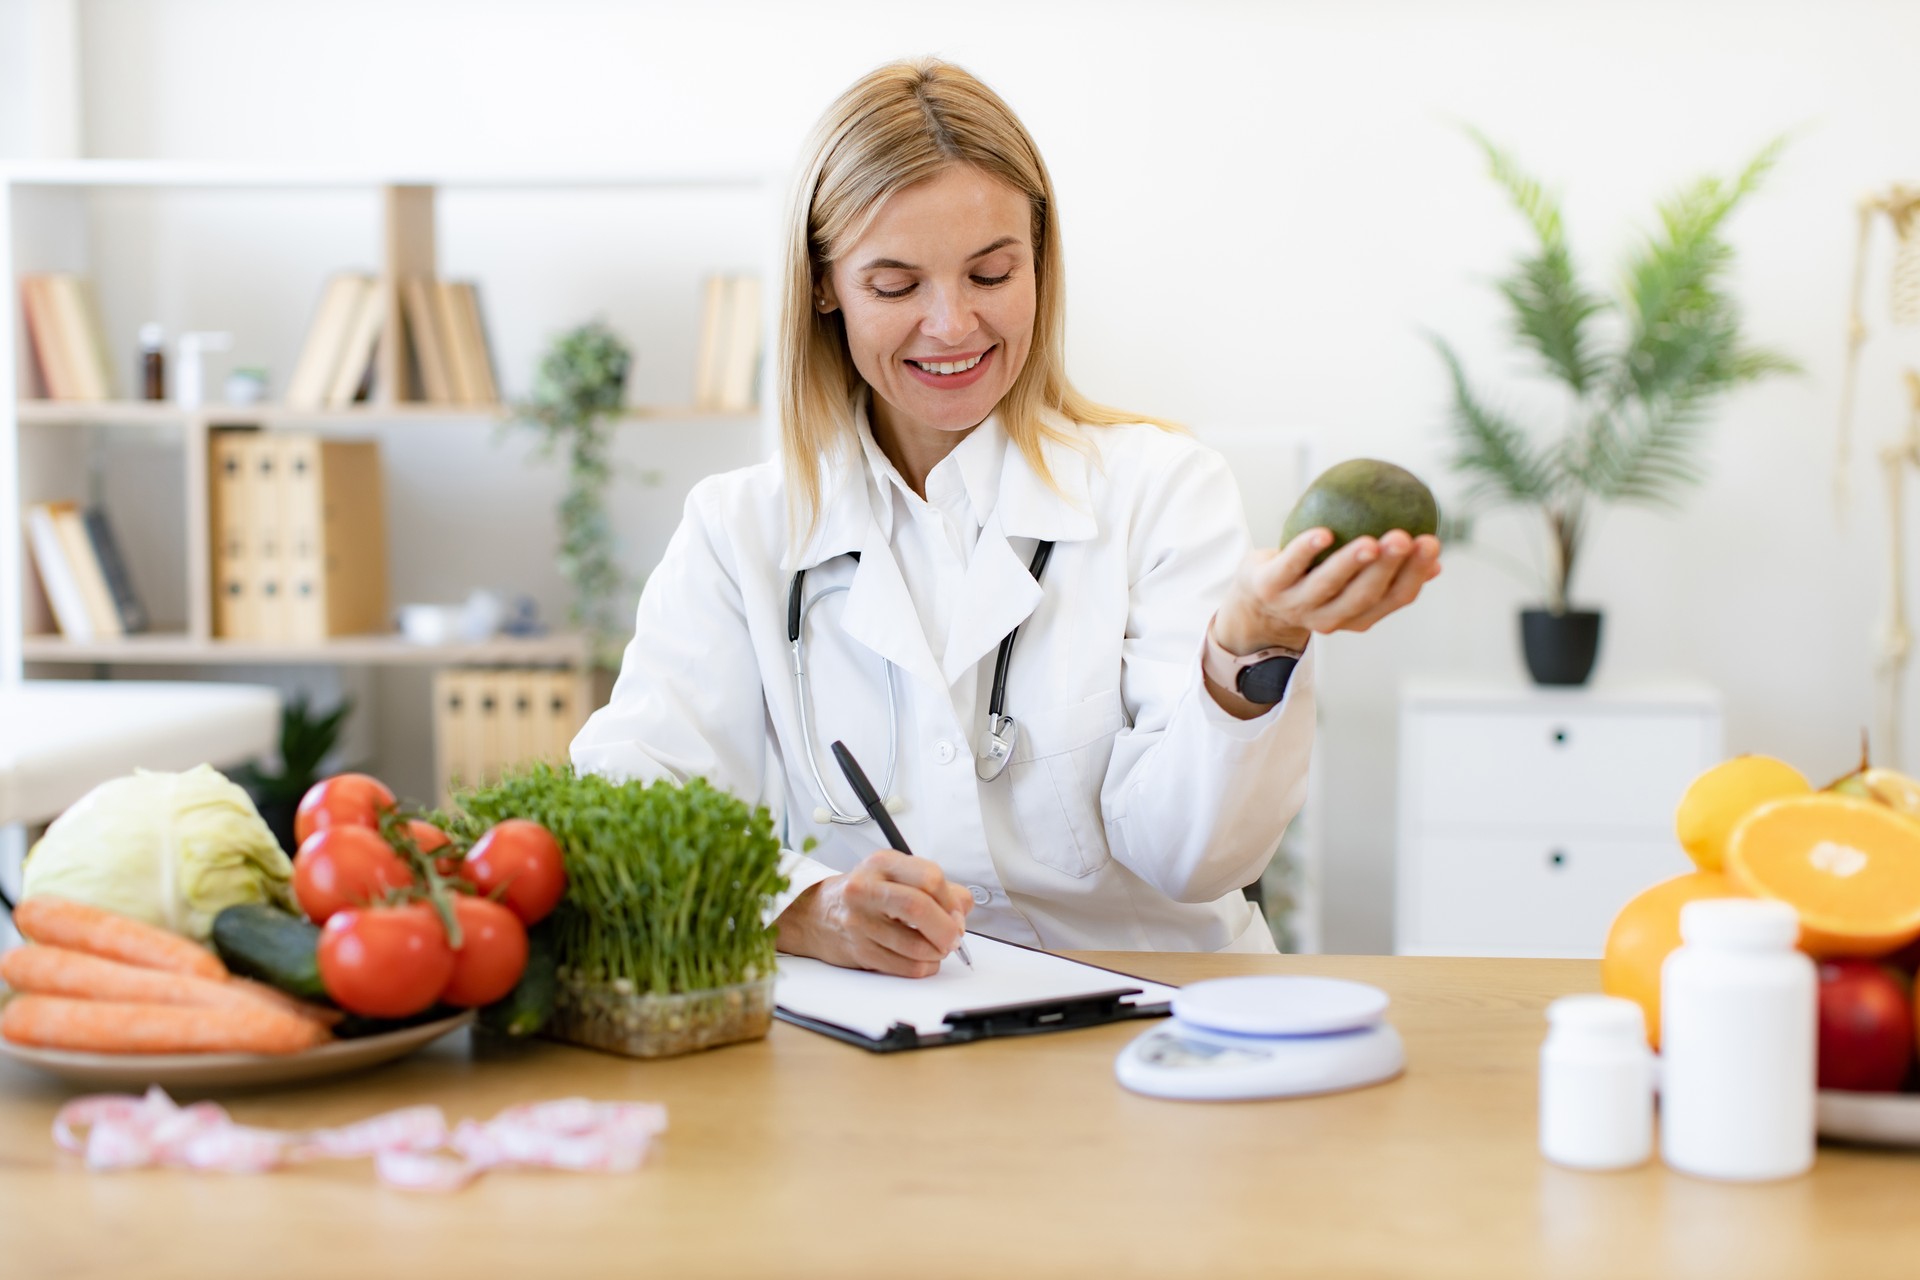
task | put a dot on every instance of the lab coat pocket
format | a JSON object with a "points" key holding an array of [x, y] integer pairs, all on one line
{"points": [[1055, 774]]}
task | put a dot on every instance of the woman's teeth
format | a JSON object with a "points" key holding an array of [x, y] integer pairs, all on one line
{"points": [[947, 366]]}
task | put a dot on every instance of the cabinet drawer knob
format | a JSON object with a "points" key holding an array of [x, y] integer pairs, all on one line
{"points": [[1560, 737], [1557, 859]]}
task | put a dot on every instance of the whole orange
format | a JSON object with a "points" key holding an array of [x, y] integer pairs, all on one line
{"points": [[1646, 929]]}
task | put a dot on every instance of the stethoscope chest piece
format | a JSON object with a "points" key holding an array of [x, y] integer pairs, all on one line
{"points": [[1003, 732]]}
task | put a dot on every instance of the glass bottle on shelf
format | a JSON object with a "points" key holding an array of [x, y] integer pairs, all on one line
{"points": [[153, 361]]}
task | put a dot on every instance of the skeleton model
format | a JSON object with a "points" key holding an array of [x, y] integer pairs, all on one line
{"points": [[1901, 207]]}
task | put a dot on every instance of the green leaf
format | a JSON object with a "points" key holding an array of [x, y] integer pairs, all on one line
{"points": [[1550, 306], [1501, 462], [1684, 329], [1646, 458]]}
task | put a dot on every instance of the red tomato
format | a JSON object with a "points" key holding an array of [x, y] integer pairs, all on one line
{"points": [[344, 800], [524, 858], [385, 962], [342, 867], [492, 954], [427, 838]]}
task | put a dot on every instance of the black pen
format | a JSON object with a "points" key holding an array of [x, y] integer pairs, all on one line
{"points": [[871, 802]]}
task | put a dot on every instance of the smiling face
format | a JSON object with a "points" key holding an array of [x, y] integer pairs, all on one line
{"points": [[938, 299]]}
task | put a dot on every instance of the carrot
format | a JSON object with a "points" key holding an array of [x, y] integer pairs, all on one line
{"points": [[61, 923], [56, 971], [107, 1026], [278, 999]]}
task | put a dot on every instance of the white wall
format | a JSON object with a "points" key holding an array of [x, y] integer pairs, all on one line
{"points": [[40, 72], [1265, 205]]}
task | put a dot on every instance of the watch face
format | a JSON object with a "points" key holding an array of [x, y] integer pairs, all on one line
{"points": [[1266, 682]]}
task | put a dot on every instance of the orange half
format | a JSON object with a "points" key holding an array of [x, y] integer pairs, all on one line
{"points": [[1850, 868]]}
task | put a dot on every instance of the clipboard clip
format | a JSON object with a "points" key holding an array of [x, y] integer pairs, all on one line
{"points": [[1048, 1015]]}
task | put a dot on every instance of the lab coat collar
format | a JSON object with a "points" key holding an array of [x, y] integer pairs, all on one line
{"points": [[1029, 507], [998, 592], [1026, 505], [978, 458]]}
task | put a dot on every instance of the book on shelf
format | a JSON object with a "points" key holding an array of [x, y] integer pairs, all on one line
{"points": [[49, 357], [132, 610], [428, 340], [706, 368], [727, 365], [57, 578], [489, 720], [353, 372], [441, 325], [82, 573], [102, 618], [314, 372], [473, 337], [464, 348], [66, 337], [299, 537]]}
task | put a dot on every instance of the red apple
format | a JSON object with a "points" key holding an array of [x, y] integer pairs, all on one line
{"points": [[1866, 1027], [1906, 959]]}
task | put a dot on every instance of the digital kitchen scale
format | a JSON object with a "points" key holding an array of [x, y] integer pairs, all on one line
{"points": [[1271, 1037]]}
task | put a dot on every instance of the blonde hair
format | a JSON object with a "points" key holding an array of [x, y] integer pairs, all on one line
{"points": [[899, 125]]}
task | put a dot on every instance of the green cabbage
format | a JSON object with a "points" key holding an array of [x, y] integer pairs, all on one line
{"points": [[172, 849]]}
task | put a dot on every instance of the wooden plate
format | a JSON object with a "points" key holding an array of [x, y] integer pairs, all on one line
{"points": [[231, 1070], [1882, 1119]]}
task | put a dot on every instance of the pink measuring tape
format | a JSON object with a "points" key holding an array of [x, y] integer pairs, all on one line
{"points": [[411, 1147]]}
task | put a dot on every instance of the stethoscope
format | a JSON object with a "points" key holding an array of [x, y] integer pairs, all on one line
{"points": [[1003, 731]]}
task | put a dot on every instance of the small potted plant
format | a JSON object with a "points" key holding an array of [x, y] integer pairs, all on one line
{"points": [[306, 740], [578, 394], [660, 941], [1640, 373]]}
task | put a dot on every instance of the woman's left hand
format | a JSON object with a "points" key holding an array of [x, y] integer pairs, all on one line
{"points": [[1280, 599]]}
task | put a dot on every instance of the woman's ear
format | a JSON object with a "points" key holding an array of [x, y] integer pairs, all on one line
{"points": [[825, 300]]}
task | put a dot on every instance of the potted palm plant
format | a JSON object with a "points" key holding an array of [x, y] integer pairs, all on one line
{"points": [[1640, 371]]}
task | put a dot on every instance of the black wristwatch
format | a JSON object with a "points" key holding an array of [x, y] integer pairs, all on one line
{"points": [[1260, 677]]}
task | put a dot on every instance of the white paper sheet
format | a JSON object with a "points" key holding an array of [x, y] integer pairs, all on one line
{"points": [[871, 1003]]}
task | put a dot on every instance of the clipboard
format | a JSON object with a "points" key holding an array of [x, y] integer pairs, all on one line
{"points": [[1012, 990]]}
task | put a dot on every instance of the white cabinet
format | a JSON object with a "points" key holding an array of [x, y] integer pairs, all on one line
{"points": [[1528, 817]]}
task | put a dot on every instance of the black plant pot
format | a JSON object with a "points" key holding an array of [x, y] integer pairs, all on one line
{"points": [[1560, 647]]}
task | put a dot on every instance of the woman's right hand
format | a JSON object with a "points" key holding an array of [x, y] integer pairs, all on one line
{"points": [[892, 914]]}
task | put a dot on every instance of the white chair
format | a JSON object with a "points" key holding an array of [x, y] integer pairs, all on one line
{"points": [[61, 738]]}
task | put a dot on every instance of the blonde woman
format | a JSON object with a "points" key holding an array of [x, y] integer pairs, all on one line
{"points": [[1033, 619]]}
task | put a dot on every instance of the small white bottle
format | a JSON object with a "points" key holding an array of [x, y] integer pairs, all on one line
{"points": [[189, 375], [1596, 1084], [1738, 1012]]}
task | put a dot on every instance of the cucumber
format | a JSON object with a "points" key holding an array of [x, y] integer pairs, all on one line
{"points": [[526, 1008], [258, 941]]}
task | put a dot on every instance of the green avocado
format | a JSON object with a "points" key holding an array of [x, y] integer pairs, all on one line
{"points": [[1362, 497]]}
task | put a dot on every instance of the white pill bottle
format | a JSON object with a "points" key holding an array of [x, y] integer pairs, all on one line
{"points": [[1739, 1009], [1596, 1084]]}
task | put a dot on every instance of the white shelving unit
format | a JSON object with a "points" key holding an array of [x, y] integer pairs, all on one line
{"points": [[46, 212]]}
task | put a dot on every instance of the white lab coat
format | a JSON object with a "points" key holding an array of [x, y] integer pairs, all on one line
{"points": [[1133, 809]]}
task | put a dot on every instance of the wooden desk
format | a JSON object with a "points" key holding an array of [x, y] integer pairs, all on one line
{"points": [[800, 1156]]}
